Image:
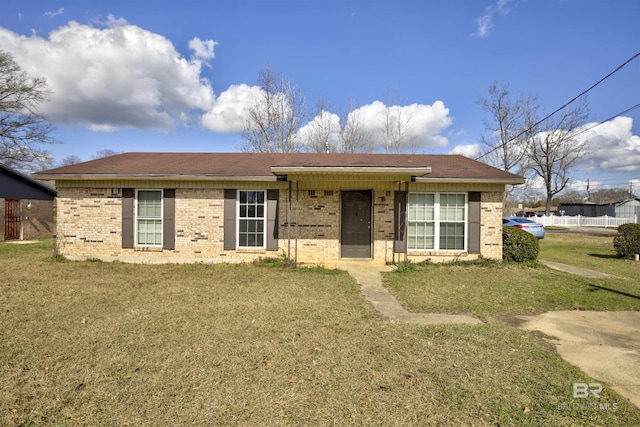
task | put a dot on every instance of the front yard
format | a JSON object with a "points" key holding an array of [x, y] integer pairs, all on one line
{"points": [[92, 343], [490, 290]]}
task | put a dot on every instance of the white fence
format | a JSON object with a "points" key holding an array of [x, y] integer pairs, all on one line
{"points": [[583, 221]]}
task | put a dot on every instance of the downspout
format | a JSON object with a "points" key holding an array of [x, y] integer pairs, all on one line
{"points": [[289, 227], [406, 223], [297, 219], [396, 214]]}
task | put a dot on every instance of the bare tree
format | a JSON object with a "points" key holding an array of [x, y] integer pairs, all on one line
{"points": [[105, 152], [553, 147], [396, 133], [322, 132], [354, 138], [22, 129], [611, 195], [327, 132], [504, 146], [70, 160], [276, 117]]}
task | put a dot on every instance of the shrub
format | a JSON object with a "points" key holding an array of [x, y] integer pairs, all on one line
{"points": [[405, 267], [518, 245], [627, 241]]}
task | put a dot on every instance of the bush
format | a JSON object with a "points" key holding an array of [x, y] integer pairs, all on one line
{"points": [[627, 241], [518, 245]]}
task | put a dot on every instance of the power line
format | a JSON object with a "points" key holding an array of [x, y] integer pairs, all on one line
{"points": [[628, 110], [564, 106]]}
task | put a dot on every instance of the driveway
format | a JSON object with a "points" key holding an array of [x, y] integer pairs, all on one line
{"points": [[604, 345]]}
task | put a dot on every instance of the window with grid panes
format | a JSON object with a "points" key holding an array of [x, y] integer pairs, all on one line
{"points": [[251, 219], [149, 218], [436, 221]]}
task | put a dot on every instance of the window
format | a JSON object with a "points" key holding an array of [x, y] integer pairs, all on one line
{"points": [[436, 221], [251, 219], [421, 221], [452, 208], [149, 218]]}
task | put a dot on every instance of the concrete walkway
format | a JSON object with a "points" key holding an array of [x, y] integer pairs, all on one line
{"points": [[605, 345], [370, 281], [574, 270]]}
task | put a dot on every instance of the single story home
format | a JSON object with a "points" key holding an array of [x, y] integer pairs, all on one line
{"points": [[318, 208], [26, 207]]}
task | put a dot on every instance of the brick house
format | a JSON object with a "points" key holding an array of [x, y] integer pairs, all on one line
{"points": [[26, 207], [308, 207]]}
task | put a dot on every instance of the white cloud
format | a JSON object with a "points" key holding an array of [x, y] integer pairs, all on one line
{"points": [[202, 49], [426, 122], [612, 147], [325, 123], [485, 21], [471, 151], [114, 77], [230, 109], [53, 14]]}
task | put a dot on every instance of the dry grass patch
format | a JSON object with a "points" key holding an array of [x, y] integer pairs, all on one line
{"points": [[493, 288], [90, 343], [510, 288]]}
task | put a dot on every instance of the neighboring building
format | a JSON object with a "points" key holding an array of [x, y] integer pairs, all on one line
{"points": [[586, 209], [624, 209], [628, 209], [26, 207], [308, 207]]}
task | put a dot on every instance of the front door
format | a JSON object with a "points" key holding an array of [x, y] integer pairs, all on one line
{"points": [[355, 225], [11, 219]]}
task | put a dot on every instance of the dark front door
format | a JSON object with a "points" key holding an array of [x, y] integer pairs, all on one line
{"points": [[11, 219], [355, 224]]}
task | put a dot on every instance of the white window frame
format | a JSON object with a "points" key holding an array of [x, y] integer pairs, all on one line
{"points": [[137, 217], [263, 218], [437, 221]]}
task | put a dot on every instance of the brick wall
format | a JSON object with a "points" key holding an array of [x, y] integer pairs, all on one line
{"points": [[90, 221], [491, 224]]}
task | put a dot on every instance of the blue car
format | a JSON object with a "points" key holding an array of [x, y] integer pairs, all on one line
{"points": [[524, 224]]}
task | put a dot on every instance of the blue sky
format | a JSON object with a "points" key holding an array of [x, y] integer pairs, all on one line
{"points": [[177, 76]]}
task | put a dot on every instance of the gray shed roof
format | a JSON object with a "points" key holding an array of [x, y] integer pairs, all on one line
{"points": [[15, 185]]}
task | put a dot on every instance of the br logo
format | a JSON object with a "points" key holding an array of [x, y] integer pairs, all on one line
{"points": [[582, 390]]}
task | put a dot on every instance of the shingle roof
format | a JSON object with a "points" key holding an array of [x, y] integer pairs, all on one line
{"points": [[443, 166], [16, 185]]}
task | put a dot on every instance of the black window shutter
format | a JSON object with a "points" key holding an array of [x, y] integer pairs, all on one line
{"points": [[400, 221], [169, 220], [272, 219], [229, 219], [473, 240], [127, 218]]}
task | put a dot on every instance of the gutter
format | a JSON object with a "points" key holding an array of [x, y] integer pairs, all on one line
{"points": [[414, 171], [472, 180], [152, 177]]}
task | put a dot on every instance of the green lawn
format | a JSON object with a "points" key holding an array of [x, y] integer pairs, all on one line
{"points": [[91, 343]]}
